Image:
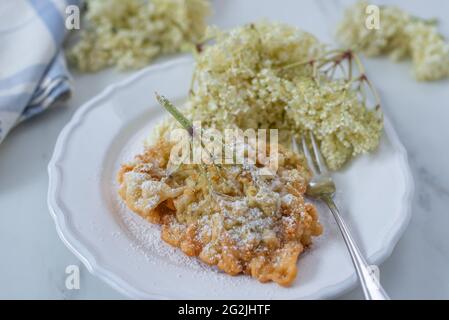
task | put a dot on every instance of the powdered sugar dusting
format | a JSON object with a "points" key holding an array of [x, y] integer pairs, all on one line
{"points": [[145, 238], [146, 242]]}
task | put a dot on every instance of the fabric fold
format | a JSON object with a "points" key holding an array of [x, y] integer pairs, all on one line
{"points": [[33, 71]]}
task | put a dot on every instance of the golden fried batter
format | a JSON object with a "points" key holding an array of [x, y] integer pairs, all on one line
{"points": [[227, 216]]}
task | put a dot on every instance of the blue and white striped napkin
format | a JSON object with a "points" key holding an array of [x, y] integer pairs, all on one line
{"points": [[33, 73]]}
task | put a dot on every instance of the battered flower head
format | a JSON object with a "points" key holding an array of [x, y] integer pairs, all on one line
{"points": [[234, 219]]}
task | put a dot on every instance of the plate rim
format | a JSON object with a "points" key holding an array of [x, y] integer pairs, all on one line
{"points": [[82, 252]]}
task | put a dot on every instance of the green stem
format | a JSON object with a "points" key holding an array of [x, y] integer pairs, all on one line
{"points": [[185, 123]]}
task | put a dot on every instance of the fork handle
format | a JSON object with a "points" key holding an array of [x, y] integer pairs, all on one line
{"points": [[371, 286]]}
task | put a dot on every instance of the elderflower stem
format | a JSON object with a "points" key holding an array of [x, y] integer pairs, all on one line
{"points": [[185, 123]]}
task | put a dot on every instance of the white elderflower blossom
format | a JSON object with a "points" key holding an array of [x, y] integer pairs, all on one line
{"points": [[430, 52], [400, 36], [131, 33], [244, 81], [389, 39]]}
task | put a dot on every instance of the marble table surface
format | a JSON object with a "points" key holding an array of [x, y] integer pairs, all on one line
{"points": [[33, 259]]}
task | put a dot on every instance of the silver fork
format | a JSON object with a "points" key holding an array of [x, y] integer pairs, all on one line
{"points": [[322, 187]]}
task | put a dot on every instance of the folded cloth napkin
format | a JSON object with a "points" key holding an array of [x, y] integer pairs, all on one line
{"points": [[33, 73]]}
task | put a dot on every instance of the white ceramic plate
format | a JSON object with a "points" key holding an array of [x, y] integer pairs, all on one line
{"points": [[125, 251]]}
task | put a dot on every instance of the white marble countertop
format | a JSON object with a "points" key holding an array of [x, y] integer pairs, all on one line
{"points": [[33, 259]]}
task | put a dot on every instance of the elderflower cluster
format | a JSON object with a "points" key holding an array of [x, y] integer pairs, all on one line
{"points": [[242, 81], [429, 51], [400, 36], [129, 34]]}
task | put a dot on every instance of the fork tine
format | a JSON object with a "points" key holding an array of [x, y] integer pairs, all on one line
{"points": [[295, 147], [308, 156], [318, 156]]}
